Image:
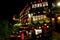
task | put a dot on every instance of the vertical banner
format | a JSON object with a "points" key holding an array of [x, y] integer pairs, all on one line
{"points": [[22, 35]]}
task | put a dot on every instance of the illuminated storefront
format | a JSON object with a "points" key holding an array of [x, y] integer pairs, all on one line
{"points": [[33, 19]]}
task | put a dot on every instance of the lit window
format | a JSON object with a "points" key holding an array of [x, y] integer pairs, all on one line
{"points": [[44, 11], [35, 6], [32, 5], [44, 4], [45, 16], [40, 4]]}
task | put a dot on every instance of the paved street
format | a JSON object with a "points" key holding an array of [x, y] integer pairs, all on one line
{"points": [[56, 36]]}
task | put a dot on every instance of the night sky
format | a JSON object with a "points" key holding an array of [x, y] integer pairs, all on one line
{"points": [[10, 7]]}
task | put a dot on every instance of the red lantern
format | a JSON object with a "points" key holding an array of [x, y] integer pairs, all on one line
{"points": [[44, 27]]}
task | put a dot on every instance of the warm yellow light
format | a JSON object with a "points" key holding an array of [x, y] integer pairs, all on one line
{"points": [[58, 18], [53, 19], [14, 18], [58, 4], [29, 15]]}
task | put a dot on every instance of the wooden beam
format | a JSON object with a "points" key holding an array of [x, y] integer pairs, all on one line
{"points": [[23, 9]]}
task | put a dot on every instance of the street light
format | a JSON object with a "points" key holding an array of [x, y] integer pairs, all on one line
{"points": [[58, 4], [58, 18]]}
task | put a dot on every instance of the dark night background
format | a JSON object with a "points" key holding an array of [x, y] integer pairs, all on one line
{"points": [[10, 7]]}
